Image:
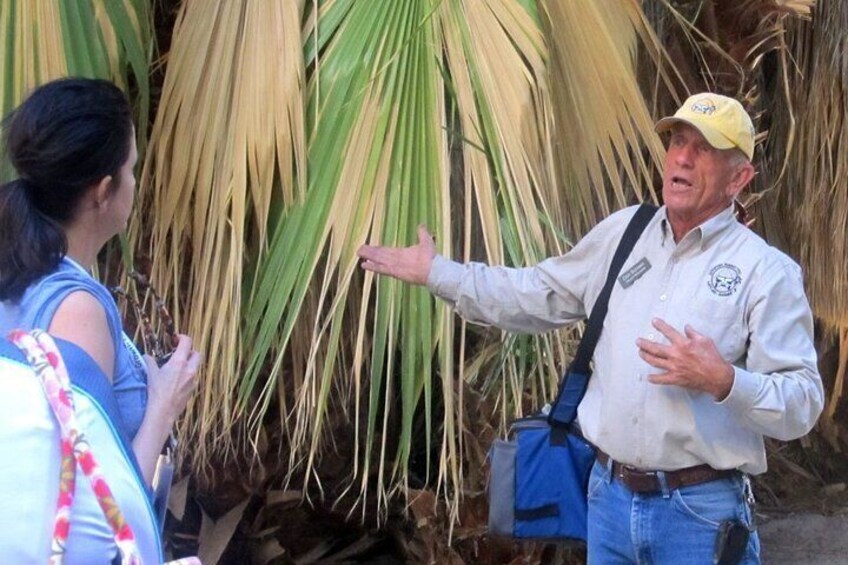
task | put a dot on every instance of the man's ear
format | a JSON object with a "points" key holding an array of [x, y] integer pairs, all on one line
{"points": [[742, 176], [102, 191]]}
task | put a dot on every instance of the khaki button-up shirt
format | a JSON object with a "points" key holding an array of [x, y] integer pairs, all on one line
{"points": [[721, 279]]}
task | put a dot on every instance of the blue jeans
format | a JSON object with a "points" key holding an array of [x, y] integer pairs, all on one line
{"points": [[673, 527]]}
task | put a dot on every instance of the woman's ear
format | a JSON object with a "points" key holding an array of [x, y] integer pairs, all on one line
{"points": [[102, 192]]}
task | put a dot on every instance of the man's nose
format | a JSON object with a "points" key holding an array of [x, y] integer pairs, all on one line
{"points": [[685, 155]]}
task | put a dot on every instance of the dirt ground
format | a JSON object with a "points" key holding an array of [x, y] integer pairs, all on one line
{"points": [[811, 530]]}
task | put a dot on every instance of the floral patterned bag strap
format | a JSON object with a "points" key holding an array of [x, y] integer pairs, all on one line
{"points": [[43, 355]]}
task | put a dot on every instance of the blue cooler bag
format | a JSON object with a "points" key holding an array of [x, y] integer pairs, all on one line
{"points": [[539, 475], [546, 497]]}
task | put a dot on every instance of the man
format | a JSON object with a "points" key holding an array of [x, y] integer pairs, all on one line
{"points": [[707, 347]]}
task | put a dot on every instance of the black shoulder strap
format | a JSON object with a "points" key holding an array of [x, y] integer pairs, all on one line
{"points": [[576, 379], [599, 311]]}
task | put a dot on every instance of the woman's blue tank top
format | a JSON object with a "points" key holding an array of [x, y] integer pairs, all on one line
{"points": [[36, 309]]}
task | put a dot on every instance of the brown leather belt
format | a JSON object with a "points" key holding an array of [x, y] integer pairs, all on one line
{"points": [[645, 482]]}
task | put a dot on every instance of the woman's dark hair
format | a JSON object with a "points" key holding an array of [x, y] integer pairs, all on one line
{"points": [[65, 137]]}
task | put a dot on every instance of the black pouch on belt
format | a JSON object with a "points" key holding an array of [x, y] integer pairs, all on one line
{"points": [[731, 541]]}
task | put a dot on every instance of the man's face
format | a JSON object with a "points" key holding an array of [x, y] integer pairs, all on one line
{"points": [[699, 181]]}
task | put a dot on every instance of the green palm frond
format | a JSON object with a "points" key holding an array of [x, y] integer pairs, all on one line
{"points": [[376, 164], [44, 40]]}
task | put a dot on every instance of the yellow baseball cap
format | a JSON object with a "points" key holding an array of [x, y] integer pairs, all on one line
{"points": [[722, 121]]}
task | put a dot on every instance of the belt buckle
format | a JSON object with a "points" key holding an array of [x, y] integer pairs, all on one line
{"points": [[632, 471], [629, 475]]}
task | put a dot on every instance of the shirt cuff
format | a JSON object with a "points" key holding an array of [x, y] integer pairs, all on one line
{"points": [[444, 278], [743, 393]]}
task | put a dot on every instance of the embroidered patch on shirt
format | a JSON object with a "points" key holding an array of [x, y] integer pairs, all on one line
{"points": [[632, 274], [724, 279]]}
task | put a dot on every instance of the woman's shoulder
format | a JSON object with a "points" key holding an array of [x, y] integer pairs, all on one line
{"points": [[40, 301], [67, 278]]}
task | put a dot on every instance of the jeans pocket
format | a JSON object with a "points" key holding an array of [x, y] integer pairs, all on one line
{"points": [[710, 503]]}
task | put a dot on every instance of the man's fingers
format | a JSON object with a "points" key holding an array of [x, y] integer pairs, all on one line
{"points": [[193, 363], [378, 268], [409, 264], [668, 331], [656, 349], [371, 252], [662, 379], [654, 360], [364, 251], [691, 333], [376, 256]]}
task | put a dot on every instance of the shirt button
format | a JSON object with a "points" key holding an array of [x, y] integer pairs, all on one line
{"points": [[663, 297], [635, 420], [651, 337]]}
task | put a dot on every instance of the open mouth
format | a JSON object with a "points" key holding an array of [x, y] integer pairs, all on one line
{"points": [[680, 182]]}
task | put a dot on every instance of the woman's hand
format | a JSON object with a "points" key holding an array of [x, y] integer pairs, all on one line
{"points": [[169, 387]]}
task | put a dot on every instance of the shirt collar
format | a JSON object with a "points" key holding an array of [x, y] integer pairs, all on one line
{"points": [[75, 265], [706, 232]]}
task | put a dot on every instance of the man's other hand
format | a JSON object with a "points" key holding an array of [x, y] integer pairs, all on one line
{"points": [[409, 264], [690, 360]]}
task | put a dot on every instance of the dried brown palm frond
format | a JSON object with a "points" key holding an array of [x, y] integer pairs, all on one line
{"points": [[719, 44], [228, 140], [808, 211], [603, 122], [808, 137], [723, 45]]}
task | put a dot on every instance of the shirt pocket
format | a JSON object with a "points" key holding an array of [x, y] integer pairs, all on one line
{"points": [[721, 322]]}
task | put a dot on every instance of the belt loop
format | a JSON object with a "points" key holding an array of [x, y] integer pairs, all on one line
{"points": [[608, 468], [663, 484]]}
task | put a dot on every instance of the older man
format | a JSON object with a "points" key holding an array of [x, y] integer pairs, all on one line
{"points": [[706, 350]]}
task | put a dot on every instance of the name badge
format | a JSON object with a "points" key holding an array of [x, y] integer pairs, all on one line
{"points": [[633, 274]]}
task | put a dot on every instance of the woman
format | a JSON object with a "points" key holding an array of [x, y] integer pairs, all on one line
{"points": [[72, 143]]}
